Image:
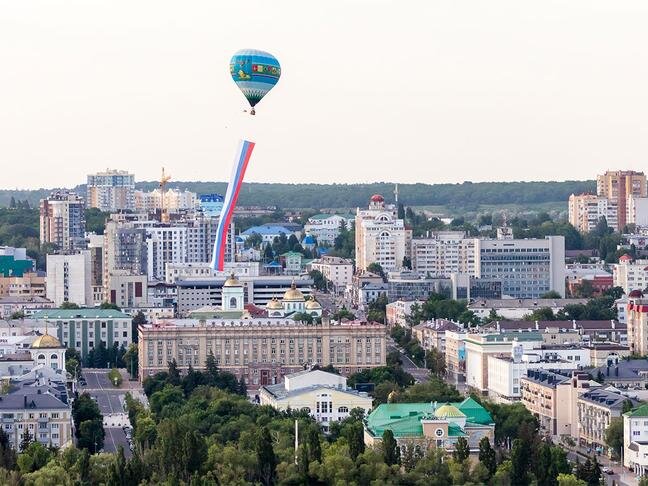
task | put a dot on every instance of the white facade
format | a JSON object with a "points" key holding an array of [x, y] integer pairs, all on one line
{"points": [[516, 309], [443, 253], [630, 275], [397, 312], [527, 268], [326, 227], [325, 396], [338, 271], [69, 279], [175, 271], [635, 440], [638, 210], [112, 190], [126, 290], [173, 200], [380, 237]]}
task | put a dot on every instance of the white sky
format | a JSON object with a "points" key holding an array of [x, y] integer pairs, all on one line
{"points": [[371, 90]]}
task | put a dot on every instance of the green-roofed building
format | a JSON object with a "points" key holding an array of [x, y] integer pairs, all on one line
{"points": [[84, 329], [431, 425], [635, 440]]}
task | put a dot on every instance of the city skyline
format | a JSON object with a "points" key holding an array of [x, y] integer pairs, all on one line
{"points": [[419, 93]]}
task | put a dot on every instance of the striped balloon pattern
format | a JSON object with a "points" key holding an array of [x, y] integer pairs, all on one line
{"points": [[255, 73], [241, 160]]}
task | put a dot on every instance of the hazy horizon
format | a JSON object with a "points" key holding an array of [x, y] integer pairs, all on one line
{"points": [[419, 91]]}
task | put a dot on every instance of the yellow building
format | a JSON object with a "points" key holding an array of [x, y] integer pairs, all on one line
{"points": [[325, 396]]}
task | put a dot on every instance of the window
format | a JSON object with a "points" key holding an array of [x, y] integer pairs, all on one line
{"points": [[343, 410]]}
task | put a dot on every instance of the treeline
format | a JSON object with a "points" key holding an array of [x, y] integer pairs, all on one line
{"points": [[353, 195]]}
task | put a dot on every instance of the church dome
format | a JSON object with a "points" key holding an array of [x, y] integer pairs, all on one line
{"points": [[377, 198], [293, 294], [274, 304], [312, 304], [46, 342], [232, 281], [448, 411]]}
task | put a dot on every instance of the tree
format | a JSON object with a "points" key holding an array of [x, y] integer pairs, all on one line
{"points": [[91, 435], [69, 305], [25, 439], [487, 456], [118, 473], [109, 305], [266, 459], [461, 451], [355, 438], [131, 357], [34, 457], [614, 435], [314, 446], [520, 460], [377, 268], [552, 294], [391, 452], [7, 454], [318, 279], [589, 471], [570, 480], [174, 373]]}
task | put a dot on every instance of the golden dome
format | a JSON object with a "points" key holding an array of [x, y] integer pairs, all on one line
{"points": [[232, 281], [274, 304], [448, 411], [293, 294], [46, 341], [312, 304]]}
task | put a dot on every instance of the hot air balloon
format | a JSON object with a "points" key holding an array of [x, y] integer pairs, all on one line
{"points": [[255, 73]]}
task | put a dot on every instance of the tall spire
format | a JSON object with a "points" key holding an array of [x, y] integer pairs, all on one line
{"points": [[396, 193]]}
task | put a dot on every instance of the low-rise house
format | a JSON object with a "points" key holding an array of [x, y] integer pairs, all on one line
{"points": [[601, 353], [324, 396], [635, 440], [455, 356], [24, 304], [338, 271], [396, 312], [620, 373], [432, 334], [430, 425], [552, 397]]}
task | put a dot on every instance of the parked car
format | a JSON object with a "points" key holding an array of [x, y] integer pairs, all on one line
{"points": [[607, 470]]}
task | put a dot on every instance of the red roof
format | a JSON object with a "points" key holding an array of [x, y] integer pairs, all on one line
{"points": [[377, 198], [625, 258]]}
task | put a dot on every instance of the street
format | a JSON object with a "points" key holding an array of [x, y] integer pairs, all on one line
{"points": [[111, 402], [419, 374]]}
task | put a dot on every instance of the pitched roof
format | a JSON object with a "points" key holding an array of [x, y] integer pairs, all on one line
{"points": [[641, 411], [404, 419]]}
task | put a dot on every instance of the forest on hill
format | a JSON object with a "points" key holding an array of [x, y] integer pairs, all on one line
{"points": [[318, 196]]}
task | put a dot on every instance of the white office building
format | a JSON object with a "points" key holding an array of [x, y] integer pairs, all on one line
{"points": [[630, 275], [443, 253], [338, 271], [326, 227]]}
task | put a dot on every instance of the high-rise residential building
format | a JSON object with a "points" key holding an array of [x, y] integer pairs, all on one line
{"points": [[62, 221], [69, 278], [638, 210], [527, 268], [112, 190], [637, 322], [380, 236], [171, 200], [630, 274], [585, 211], [124, 249], [618, 185], [443, 253]]}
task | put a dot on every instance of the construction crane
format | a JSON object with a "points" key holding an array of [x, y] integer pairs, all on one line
{"points": [[164, 180]]}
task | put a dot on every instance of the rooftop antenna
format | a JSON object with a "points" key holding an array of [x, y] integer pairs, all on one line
{"points": [[164, 180]]}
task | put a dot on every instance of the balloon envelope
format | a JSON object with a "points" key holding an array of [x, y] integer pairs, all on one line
{"points": [[255, 73]]}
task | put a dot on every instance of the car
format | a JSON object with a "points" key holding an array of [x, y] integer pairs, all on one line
{"points": [[607, 470]]}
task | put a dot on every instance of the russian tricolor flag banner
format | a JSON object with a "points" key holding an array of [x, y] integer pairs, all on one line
{"points": [[243, 154]]}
